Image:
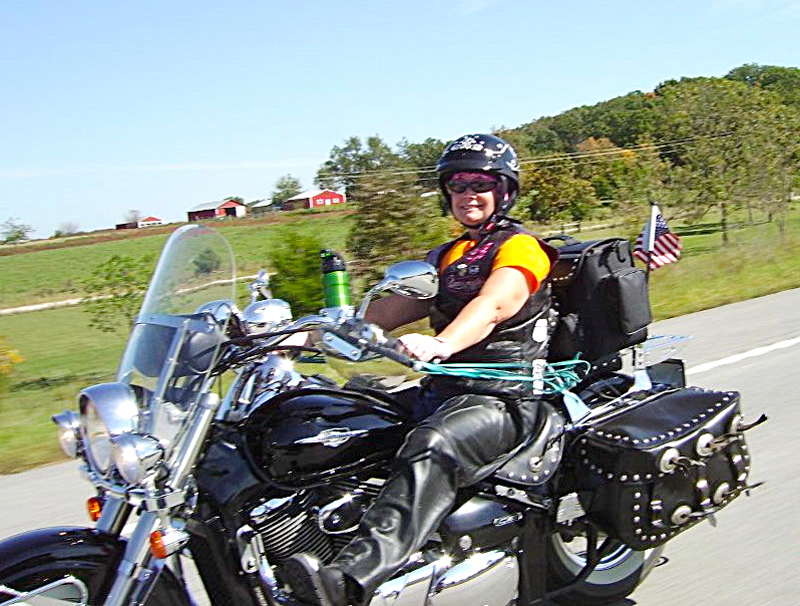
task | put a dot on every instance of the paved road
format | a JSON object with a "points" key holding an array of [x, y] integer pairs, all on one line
{"points": [[749, 559]]}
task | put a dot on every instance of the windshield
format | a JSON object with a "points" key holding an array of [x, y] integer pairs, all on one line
{"points": [[174, 342]]}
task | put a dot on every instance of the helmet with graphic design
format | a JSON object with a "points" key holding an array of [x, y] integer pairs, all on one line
{"points": [[482, 153]]}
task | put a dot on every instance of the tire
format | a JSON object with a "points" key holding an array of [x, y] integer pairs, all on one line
{"points": [[617, 574]]}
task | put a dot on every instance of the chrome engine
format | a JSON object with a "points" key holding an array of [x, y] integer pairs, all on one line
{"points": [[323, 521]]}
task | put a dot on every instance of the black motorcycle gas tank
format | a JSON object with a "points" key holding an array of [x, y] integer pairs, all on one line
{"points": [[307, 436]]}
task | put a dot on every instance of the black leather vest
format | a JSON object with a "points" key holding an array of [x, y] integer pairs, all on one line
{"points": [[511, 340]]}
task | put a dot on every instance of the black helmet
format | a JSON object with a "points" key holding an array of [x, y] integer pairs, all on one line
{"points": [[482, 153]]}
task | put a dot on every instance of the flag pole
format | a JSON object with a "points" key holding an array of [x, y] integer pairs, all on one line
{"points": [[651, 235]]}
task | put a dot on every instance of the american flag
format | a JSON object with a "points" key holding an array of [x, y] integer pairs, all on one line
{"points": [[657, 245]]}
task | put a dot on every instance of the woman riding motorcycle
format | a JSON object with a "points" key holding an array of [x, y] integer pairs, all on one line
{"points": [[493, 304]]}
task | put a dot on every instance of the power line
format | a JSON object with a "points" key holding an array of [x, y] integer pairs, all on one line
{"points": [[554, 159]]}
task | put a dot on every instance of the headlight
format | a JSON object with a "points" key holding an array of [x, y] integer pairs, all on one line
{"points": [[136, 456], [107, 409], [95, 436]]}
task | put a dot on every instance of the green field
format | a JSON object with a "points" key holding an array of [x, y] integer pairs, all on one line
{"points": [[62, 354], [54, 274]]}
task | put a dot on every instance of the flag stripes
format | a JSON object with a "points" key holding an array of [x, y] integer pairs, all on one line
{"points": [[657, 245]]}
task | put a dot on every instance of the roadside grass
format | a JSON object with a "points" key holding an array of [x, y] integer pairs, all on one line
{"points": [[755, 262], [62, 355]]}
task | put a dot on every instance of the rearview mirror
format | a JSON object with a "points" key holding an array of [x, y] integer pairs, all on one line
{"points": [[415, 279]]}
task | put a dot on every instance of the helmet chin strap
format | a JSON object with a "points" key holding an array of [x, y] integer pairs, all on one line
{"points": [[498, 217]]}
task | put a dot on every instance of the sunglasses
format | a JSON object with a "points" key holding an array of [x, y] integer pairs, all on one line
{"points": [[478, 187]]}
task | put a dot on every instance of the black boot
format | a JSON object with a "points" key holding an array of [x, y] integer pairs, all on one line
{"points": [[314, 584]]}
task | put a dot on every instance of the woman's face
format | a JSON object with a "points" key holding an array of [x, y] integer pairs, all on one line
{"points": [[469, 207]]}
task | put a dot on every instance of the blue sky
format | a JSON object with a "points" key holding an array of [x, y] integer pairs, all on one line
{"points": [[158, 105]]}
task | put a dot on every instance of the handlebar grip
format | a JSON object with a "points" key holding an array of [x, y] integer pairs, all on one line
{"points": [[389, 349]]}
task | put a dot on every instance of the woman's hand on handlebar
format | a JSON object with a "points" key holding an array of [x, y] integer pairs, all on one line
{"points": [[424, 347]]}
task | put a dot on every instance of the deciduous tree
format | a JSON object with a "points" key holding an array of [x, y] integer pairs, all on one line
{"points": [[721, 124], [297, 277], [395, 222], [554, 191], [117, 288], [14, 231], [67, 228], [286, 187], [353, 162], [641, 176], [423, 158]]}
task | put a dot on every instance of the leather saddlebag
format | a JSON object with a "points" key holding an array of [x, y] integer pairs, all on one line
{"points": [[657, 466]]}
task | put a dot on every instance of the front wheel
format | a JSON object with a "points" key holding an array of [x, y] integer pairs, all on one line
{"points": [[618, 572], [71, 566], [72, 585]]}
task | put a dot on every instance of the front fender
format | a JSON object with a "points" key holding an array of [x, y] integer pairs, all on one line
{"points": [[88, 552], [31, 558]]}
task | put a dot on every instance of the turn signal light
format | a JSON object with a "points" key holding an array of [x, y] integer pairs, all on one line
{"points": [[157, 547], [95, 508], [166, 541]]}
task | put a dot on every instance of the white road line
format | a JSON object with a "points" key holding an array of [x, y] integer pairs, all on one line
{"points": [[758, 351]]}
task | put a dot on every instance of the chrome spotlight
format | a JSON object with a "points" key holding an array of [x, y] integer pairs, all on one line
{"points": [[69, 427], [135, 456], [266, 315]]}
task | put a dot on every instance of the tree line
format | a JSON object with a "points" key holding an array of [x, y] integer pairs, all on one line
{"points": [[693, 145]]}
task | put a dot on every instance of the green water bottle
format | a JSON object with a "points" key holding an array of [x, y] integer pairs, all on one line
{"points": [[335, 282]]}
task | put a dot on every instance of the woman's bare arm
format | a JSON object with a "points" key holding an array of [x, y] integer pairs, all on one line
{"points": [[396, 310], [503, 295]]}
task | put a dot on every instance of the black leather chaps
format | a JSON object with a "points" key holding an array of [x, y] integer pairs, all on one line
{"points": [[460, 444]]}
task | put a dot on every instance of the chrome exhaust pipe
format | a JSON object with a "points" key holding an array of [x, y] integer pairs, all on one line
{"points": [[486, 578]]}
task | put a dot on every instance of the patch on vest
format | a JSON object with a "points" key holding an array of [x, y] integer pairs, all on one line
{"points": [[467, 283], [479, 252]]}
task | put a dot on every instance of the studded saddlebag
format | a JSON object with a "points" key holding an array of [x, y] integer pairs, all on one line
{"points": [[656, 467]]}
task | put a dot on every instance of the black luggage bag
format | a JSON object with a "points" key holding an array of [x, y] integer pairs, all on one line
{"points": [[601, 298]]}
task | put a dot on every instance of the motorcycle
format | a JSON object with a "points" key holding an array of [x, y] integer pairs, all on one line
{"points": [[223, 441]]}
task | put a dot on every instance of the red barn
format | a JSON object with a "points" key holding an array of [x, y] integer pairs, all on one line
{"points": [[315, 198], [146, 222], [218, 210], [150, 222]]}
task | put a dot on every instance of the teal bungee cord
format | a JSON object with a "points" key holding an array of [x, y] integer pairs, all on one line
{"points": [[556, 377]]}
